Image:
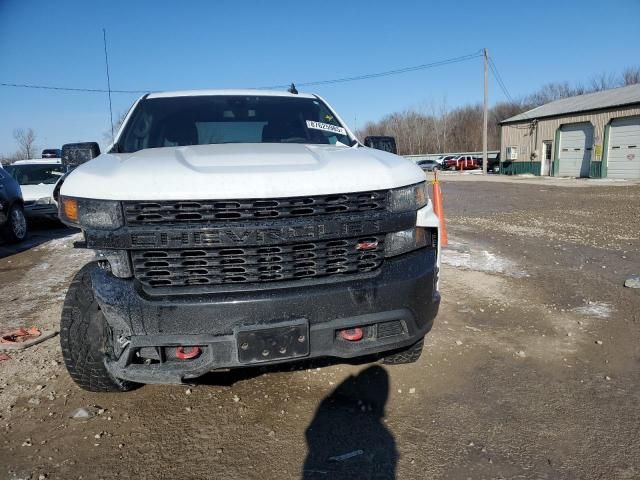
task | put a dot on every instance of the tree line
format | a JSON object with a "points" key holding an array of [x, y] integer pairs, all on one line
{"points": [[434, 128]]}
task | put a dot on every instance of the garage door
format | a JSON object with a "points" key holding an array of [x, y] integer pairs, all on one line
{"points": [[623, 159], [576, 141]]}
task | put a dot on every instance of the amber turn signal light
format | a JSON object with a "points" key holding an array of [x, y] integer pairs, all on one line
{"points": [[70, 208]]}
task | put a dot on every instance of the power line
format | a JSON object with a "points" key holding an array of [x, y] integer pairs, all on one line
{"points": [[398, 71], [385, 73], [499, 80], [498, 77], [504, 89], [69, 89]]}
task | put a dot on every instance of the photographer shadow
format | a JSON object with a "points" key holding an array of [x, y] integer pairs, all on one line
{"points": [[347, 437]]}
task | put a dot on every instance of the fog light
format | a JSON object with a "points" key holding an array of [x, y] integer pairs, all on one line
{"points": [[352, 334]]}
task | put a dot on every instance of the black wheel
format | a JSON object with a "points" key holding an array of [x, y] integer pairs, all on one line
{"points": [[16, 228], [85, 339], [409, 354]]}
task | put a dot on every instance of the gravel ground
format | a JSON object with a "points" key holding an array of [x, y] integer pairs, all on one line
{"points": [[531, 370]]}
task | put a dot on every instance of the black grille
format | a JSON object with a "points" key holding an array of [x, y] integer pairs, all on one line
{"points": [[216, 266], [211, 211], [390, 329]]}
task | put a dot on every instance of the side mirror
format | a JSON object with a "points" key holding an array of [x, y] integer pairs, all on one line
{"points": [[56, 189], [74, 154], [388, 144]]}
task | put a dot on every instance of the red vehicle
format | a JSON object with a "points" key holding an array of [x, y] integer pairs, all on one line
{"points": [[463, 162]]}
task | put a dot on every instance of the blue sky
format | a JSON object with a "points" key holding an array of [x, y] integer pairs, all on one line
{"points": [[167, 45]]}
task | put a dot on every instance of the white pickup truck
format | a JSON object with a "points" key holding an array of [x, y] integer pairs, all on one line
{"points": [[238, 228]]}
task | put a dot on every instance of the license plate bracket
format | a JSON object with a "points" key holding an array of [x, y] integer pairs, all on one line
{"points": [[276, 342]]}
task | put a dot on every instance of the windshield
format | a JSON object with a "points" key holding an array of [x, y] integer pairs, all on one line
{"points": [[36, 174], [202, 120]]}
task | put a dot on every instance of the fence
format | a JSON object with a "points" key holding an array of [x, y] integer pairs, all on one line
{"points": [[435, 156]]}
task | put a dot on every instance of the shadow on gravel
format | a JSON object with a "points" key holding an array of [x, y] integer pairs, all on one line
{"points": [[40, 231], [231, 377], [347, 438]]}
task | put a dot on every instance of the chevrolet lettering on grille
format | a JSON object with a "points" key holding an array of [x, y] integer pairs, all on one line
{"points": [[252, 236]]}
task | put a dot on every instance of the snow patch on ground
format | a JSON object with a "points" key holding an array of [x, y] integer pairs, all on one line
{"points": [[466, 257], [63, 242], [37, 279], [594, 309]]}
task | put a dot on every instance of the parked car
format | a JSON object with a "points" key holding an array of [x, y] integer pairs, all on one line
{"points": [[236, 228], [443, 159], [13, 225], [51, 153], [38, 179], [464, 162], [494, 164], [429, 165]]}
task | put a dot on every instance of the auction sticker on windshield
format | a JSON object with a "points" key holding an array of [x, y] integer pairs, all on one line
{"points": [[326, 127]]}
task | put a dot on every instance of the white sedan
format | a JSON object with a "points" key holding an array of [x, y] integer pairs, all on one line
{"points": [[37, 179]]}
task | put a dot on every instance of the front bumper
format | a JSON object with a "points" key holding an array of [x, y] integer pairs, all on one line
{"points": [[36, 210], [402, 293]]}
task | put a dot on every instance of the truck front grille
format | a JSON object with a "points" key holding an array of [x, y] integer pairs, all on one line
{"points": [[217, 211], [217, 266]]}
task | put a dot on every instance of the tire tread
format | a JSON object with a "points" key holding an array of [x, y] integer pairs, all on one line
{"points": [[83, 357], [410, 354]]}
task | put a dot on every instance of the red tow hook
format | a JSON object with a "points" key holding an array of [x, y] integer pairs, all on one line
{"points": [[352, 334], [187, 353]]}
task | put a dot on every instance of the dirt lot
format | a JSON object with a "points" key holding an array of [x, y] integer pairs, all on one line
{"points": [[531, 370]]}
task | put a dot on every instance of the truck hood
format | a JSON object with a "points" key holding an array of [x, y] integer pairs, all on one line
{"points": [[31, 193], [235, 171]]}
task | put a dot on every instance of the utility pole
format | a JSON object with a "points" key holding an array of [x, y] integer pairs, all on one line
{"points": [[485, 156]]}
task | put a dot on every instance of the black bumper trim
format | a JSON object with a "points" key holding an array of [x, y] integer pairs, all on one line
{"points": [[403, 290], [220, 352]]}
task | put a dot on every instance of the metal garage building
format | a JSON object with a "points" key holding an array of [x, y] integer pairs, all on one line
{"points": [[593, 135]]}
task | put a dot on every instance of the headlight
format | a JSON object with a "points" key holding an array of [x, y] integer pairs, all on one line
{"points": [[397, 243], [44, 201], [89, 213], [410, 198]]}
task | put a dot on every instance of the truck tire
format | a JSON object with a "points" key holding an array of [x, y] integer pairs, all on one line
{"points": [[84, 339], [409, 354], [16, 228]]}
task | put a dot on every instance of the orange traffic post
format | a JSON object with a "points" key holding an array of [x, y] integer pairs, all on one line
{"points": [[438, 208]]}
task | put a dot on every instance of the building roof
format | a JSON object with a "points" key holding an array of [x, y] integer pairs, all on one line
{"points": [[590, 101], [248, 92]]}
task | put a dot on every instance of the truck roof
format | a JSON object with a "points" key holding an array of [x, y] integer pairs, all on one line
{"points": [[245, 92], [38, 161]]}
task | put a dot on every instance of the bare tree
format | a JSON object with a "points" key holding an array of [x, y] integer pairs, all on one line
{"points": [[26, 140], [631, 76], [116, 126], [550, 92], [603, 81]]}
